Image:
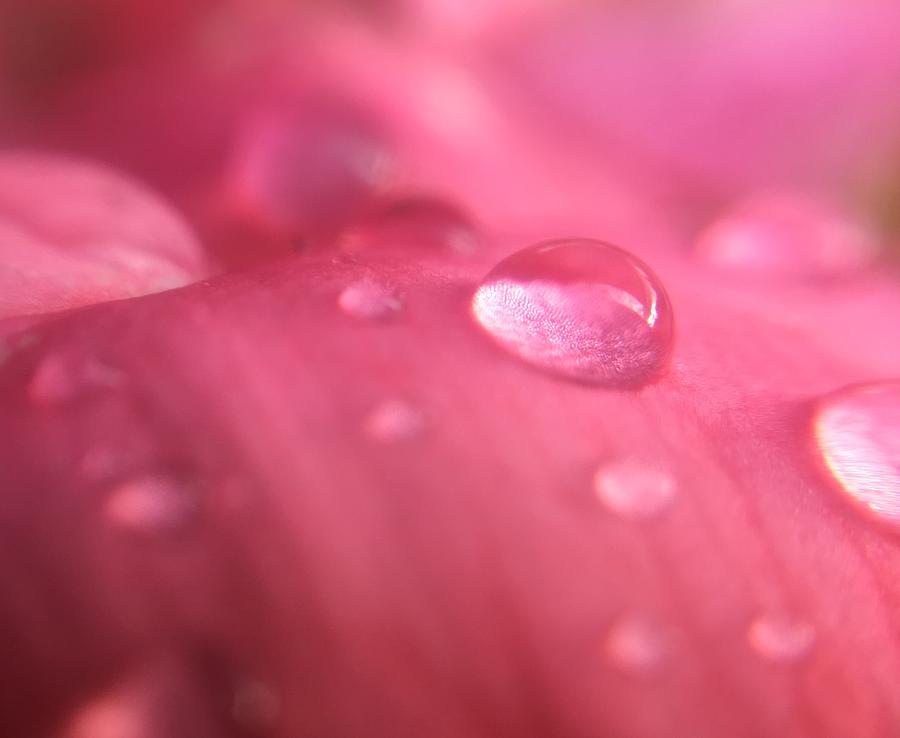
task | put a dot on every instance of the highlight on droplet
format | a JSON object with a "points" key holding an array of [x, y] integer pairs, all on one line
{"points": [[581, 309]]}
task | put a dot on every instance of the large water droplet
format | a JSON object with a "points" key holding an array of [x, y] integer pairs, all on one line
{"points": [[787, 233], [781, 638], [151, 505], [634, 489], [857, 431], [369, 300], [413, 224], [582, 309], [638, 645], [393, 420]]}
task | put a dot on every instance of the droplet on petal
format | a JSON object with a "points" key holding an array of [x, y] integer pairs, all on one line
{"points": [[638, 645], [369, 300], [394, 420], [112, 716], [857, 432], [787, 233], [60, 378], [306, 170], [413, 224], [152, 504], [781, 638], [634, 489], [582, 309]]}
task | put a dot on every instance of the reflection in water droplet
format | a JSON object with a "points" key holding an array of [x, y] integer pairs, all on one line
{"points": [[369, 300], [787, 233], [582, 309], [781, 638], [394, 420], [638, 645], [413, 224], [153, 504], [634, 489], [857, 431], [60, 379], [256, 706]]}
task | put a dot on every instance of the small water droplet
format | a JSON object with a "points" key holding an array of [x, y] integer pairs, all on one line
{"points": [[369, 300], [60, 378], [413, 224], [394, 420], [581, 309], [256, 706], [634, 489], [112, 716], [638, 645], [787, 233], [781, 638], [857, 432], [152, 504]]}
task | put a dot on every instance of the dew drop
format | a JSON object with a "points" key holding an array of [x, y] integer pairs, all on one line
{"points": [[413, 224], [781, 638], [60, 379], [637, 645], [582, 309], [393, 420], [111, 717], [152, 504], [634, 489], [787, 233], [857, 432], [304, 169], [369, 300]]}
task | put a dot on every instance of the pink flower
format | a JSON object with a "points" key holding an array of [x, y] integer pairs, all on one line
{"points": [[354, 489]]}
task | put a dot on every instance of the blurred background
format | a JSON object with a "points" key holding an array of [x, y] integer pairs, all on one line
{"points": [[272, 124]]}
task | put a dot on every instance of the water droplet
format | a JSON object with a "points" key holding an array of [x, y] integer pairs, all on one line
{"points": [[152, 504], [582, 309], [306, 169], [413, 224], [61, 378], [634, 489], [112, 716], [161, 698], [781, 638], [256, 706], [638, 645], [787, 233], [369, 300], [857, 431], [394, 420]]}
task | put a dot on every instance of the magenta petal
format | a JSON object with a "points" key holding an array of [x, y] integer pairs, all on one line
{"points": [[465, 575]]}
